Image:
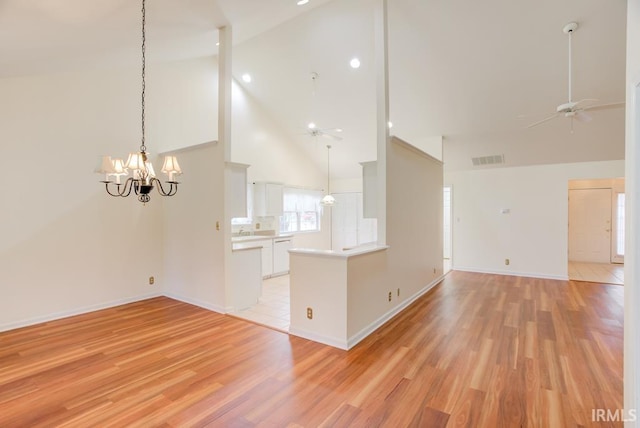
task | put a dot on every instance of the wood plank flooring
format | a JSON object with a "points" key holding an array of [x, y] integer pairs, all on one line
{"points": [[477, 351]]}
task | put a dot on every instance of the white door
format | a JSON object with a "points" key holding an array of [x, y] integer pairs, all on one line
{"points": [[617, 243], [590, 225]]}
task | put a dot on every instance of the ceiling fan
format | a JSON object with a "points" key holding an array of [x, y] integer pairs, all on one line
{"points": [[314, 131], [575, 109]]}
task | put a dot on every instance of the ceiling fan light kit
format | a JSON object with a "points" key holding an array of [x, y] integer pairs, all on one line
{"points": [[574, 109]]}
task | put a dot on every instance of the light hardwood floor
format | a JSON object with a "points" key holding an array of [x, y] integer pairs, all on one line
{"points": [[478, 350], [604, 273]]}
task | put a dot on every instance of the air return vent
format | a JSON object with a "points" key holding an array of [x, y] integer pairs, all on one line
{"points": [[488, 160]]}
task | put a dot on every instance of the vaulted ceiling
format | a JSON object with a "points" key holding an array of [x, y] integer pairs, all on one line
{"points": [[475, 73]]}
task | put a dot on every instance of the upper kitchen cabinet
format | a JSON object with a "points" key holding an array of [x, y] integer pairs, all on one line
{"points": [[236, 177], [267, 199]]}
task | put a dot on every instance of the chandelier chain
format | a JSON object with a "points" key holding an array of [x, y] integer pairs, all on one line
{"points": [[143, 147]]}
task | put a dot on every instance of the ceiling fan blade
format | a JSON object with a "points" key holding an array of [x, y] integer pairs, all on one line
{"points": [[333, 137], [587, 100], [582, 116], [540, 122], [604, 106]]}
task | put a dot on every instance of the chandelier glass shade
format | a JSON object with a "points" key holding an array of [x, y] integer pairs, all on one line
{"points": [[143, 177]]}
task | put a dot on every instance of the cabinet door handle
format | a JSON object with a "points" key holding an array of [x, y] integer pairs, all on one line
{"points": [[286, 240]]}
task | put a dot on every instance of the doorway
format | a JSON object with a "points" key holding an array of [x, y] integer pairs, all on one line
{"points": [[596, 230]]}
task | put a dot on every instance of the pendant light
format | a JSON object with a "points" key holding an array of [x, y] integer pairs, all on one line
{"points": [[328, 199], [143, 178]]}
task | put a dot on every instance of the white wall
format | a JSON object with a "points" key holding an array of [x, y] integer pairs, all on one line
{"points": [[194, 250], [67, 247], [632, 253], [257, 140], [413, 262], [356, 291], [533, 236]]}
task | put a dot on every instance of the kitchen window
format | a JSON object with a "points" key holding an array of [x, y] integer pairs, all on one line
{"points": [[301, 210]]}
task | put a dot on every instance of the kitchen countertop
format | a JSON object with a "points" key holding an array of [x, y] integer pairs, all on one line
{"points": [[258, 237]]}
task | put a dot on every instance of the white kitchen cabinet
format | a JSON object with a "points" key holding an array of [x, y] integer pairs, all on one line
{"points": [[267, 256], [281, 248], [246, 279], [267, 199], [236, 181]]}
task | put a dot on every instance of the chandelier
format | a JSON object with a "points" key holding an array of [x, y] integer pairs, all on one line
{"points": [[328, 199], [143, 178]]}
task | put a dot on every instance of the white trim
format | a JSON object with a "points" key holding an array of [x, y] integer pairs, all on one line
{"points": [[365, 332], [401, 143], [78, 311], [506, 272], [331, 341], [199, 303], [358, 251]]}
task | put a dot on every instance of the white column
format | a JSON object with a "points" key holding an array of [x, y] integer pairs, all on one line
{"points": [[225, 82], [632, 231], [382, 118]]}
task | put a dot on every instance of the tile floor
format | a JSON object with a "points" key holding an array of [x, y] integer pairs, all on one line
{"points": [[272, 309], [607, 273]]}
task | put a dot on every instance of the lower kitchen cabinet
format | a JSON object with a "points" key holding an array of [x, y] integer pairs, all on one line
{"points": [[281, 248], [267, 256]]}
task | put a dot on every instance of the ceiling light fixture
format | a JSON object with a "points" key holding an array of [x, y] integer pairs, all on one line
{"points": [[302, 2], [246, 77], [144, 177], [328, 200], [311, 125], [390, 124], [354, 63]]}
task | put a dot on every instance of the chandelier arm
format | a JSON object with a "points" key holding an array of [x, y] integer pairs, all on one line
{"points": [[106, 186], [173, 189], [126, 188]]}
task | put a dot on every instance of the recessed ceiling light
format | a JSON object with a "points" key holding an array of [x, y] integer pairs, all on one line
{"points": [[311, 125], [338, 129], [354, 63], [246, 77], [302, 2]]}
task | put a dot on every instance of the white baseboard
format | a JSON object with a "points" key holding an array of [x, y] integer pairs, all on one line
{"points": [[358, 337], [77, 311], [331, 341], [506, 272], [199, 303]]}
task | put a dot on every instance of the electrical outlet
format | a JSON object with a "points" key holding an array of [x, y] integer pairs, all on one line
{"points": [[389, 295], [152, 280], [310, 313], [507, 261]]}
